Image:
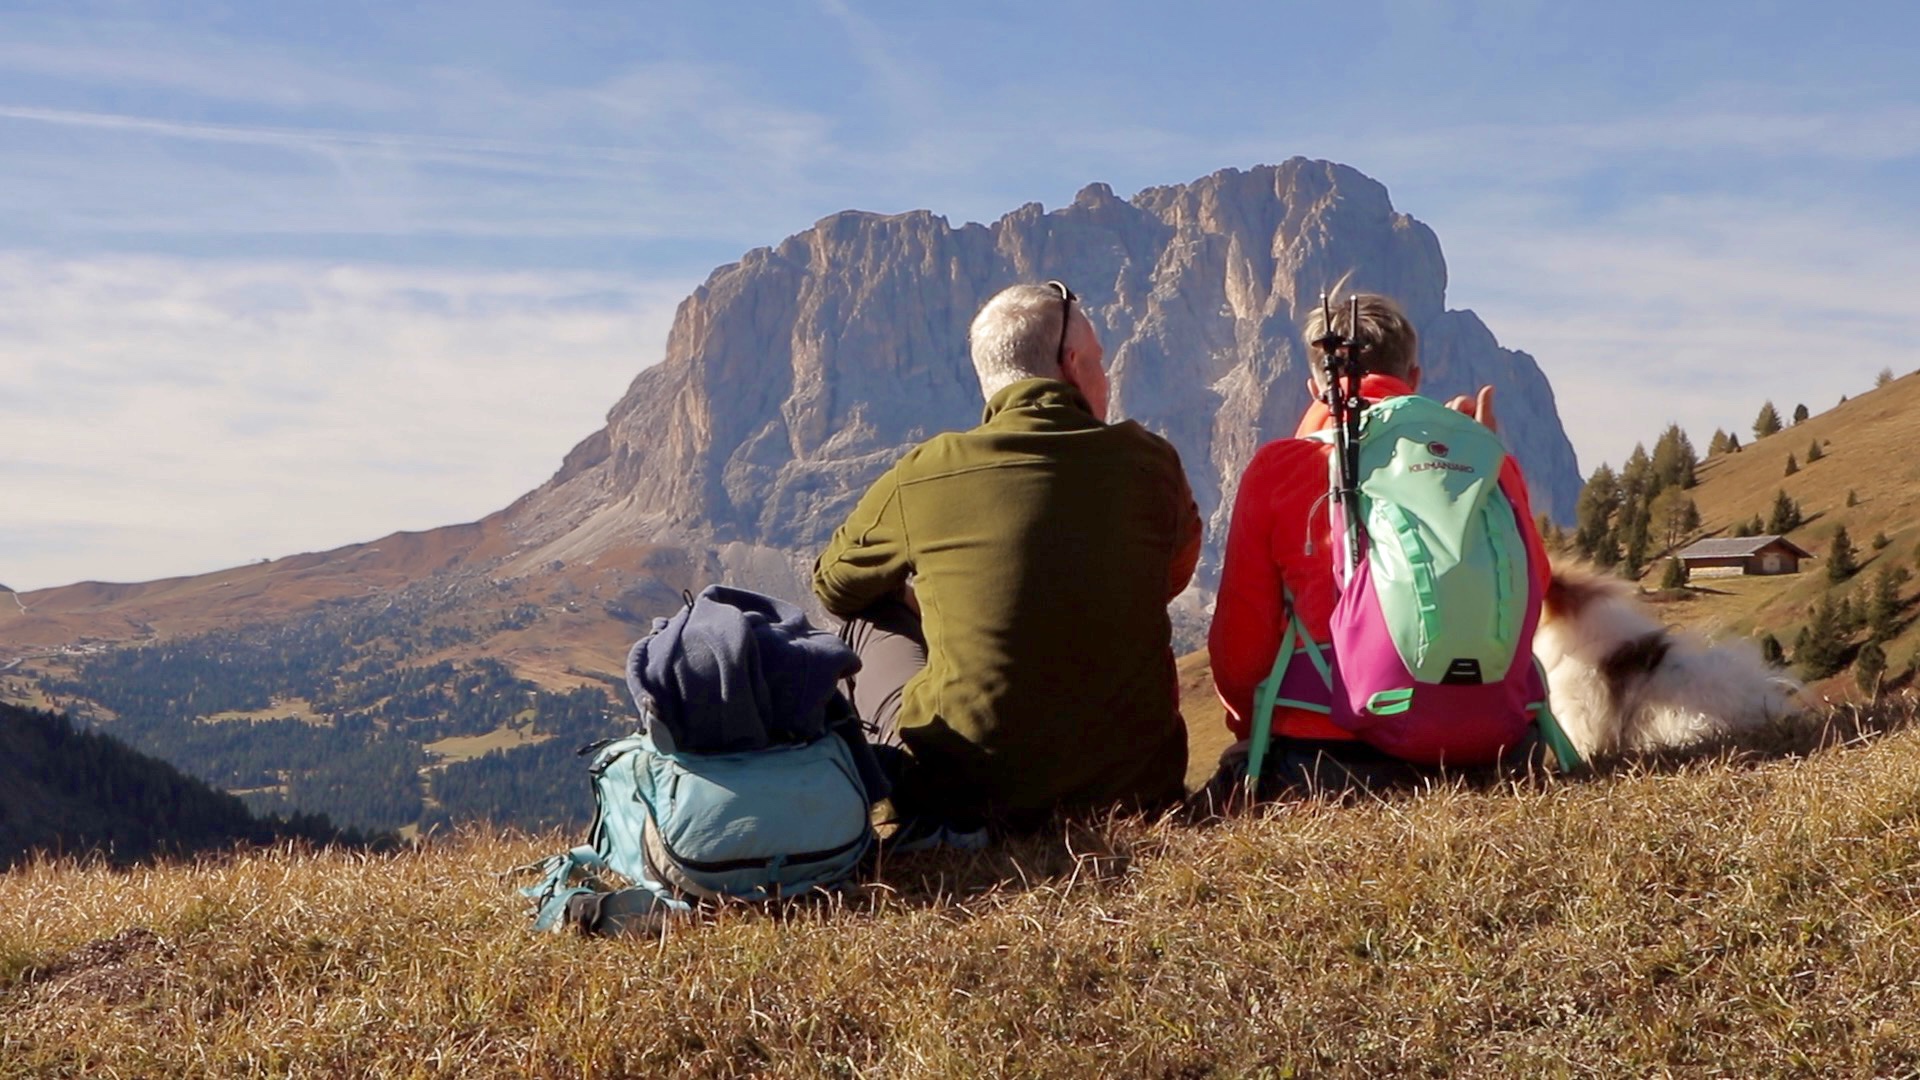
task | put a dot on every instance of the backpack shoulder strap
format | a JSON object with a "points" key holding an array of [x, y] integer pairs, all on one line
{"points": [[1295, 642], [551, 893], [1565, 754]]}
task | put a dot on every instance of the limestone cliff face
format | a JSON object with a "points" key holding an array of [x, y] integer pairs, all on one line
{"points": [[795, 376]]}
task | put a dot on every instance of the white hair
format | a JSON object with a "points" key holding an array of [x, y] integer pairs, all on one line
{"points": [[1017, 336]]}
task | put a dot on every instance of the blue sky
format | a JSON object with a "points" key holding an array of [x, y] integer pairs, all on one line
{"points": [[276, 277]]}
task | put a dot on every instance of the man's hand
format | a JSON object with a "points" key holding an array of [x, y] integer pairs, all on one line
{"points": [[1479, 407]]}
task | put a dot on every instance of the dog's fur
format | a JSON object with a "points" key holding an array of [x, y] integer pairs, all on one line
{"points": [[1620, 681]]}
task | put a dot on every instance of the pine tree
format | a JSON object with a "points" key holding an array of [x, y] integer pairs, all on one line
{"points": [[1882, 379], [1853, 500], [1636, 539], [1883, 605], [1673, 515], [1674, 460], [1841, 561], [1820, 647], [1792, 465], [1771, 652], [1636, 478], [1718, 444], [1799, 414], [1767, 423], [1733, 443], [1551, 534], [1785, 516], [1869, 668], [1814, 452], [1593, 535], [1847, 617], [1674, 576]]}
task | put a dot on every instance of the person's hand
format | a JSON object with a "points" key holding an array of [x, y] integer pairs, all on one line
{"points": [[1480, 407]]}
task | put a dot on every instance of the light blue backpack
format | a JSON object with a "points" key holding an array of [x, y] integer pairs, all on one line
{"points": [[755, 825], [788, 813]]}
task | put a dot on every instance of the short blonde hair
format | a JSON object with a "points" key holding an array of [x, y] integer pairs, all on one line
{"points": [[1386, 340], [1017, 336]]}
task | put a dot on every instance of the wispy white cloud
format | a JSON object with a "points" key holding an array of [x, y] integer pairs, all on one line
{"points": [[156, 59], [318, 181], [894, 83], [1695, 309], [185, 415], [455, 149], [676, 148]]}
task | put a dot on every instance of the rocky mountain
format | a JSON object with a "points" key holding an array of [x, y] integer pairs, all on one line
{"points": [[795, 376]]}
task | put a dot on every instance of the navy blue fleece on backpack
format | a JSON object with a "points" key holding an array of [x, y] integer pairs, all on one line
{"points": [[736, 671]]}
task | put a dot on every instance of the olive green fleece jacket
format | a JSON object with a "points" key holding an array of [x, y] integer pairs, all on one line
{"points": [[1043, 547]]}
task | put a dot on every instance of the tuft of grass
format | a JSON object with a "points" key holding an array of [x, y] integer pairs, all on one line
{"points": [[1744, 911]]}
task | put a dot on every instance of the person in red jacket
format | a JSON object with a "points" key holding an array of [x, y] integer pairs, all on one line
{"points": [[1281, 537]]}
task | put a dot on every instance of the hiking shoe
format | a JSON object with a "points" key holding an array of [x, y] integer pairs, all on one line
{"points": [[927, 834]]}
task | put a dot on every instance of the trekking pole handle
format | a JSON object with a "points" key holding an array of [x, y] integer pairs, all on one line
{"points": [[1341, 363]]}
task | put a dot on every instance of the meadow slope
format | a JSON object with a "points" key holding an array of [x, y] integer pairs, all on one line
{"points": [[1736, 916], [1864, 479]]}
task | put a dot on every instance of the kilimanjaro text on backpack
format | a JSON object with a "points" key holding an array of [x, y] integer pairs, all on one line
{"points": [[749, 779], [1430, 650]]}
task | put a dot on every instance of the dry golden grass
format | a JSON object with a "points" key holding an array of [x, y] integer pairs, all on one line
{"points": [[1730, 916]]}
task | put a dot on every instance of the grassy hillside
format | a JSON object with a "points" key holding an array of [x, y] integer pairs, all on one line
{"points": [[1866, 452], [1731, 917]]}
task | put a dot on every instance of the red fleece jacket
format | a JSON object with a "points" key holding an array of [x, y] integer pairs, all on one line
{"points": [[1282, 535]]}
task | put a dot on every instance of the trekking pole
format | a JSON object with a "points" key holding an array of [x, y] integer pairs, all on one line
{"points": [[1341, 362]]}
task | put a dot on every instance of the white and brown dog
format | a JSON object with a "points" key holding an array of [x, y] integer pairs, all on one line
{"points": [[1621, 681]]}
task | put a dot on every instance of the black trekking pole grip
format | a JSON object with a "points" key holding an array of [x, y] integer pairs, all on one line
{"points": [[1341, 363]]}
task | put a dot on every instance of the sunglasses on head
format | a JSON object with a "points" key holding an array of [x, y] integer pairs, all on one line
{"points": [[1066, 319]]}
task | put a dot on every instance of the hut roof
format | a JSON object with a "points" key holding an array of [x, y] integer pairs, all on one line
{"points": [[1738, 547]]}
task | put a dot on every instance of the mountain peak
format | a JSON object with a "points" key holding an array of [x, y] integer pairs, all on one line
{"points": [[796, 375]]}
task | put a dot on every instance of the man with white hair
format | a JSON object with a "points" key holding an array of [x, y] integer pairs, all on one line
{"points": [[1006, 588]]}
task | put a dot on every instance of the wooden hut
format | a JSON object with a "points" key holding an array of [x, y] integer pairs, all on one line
{"points": [[1736, 555]]}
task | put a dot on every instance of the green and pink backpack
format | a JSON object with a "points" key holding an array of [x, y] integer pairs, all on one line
{"points": [[1430, 655]]}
